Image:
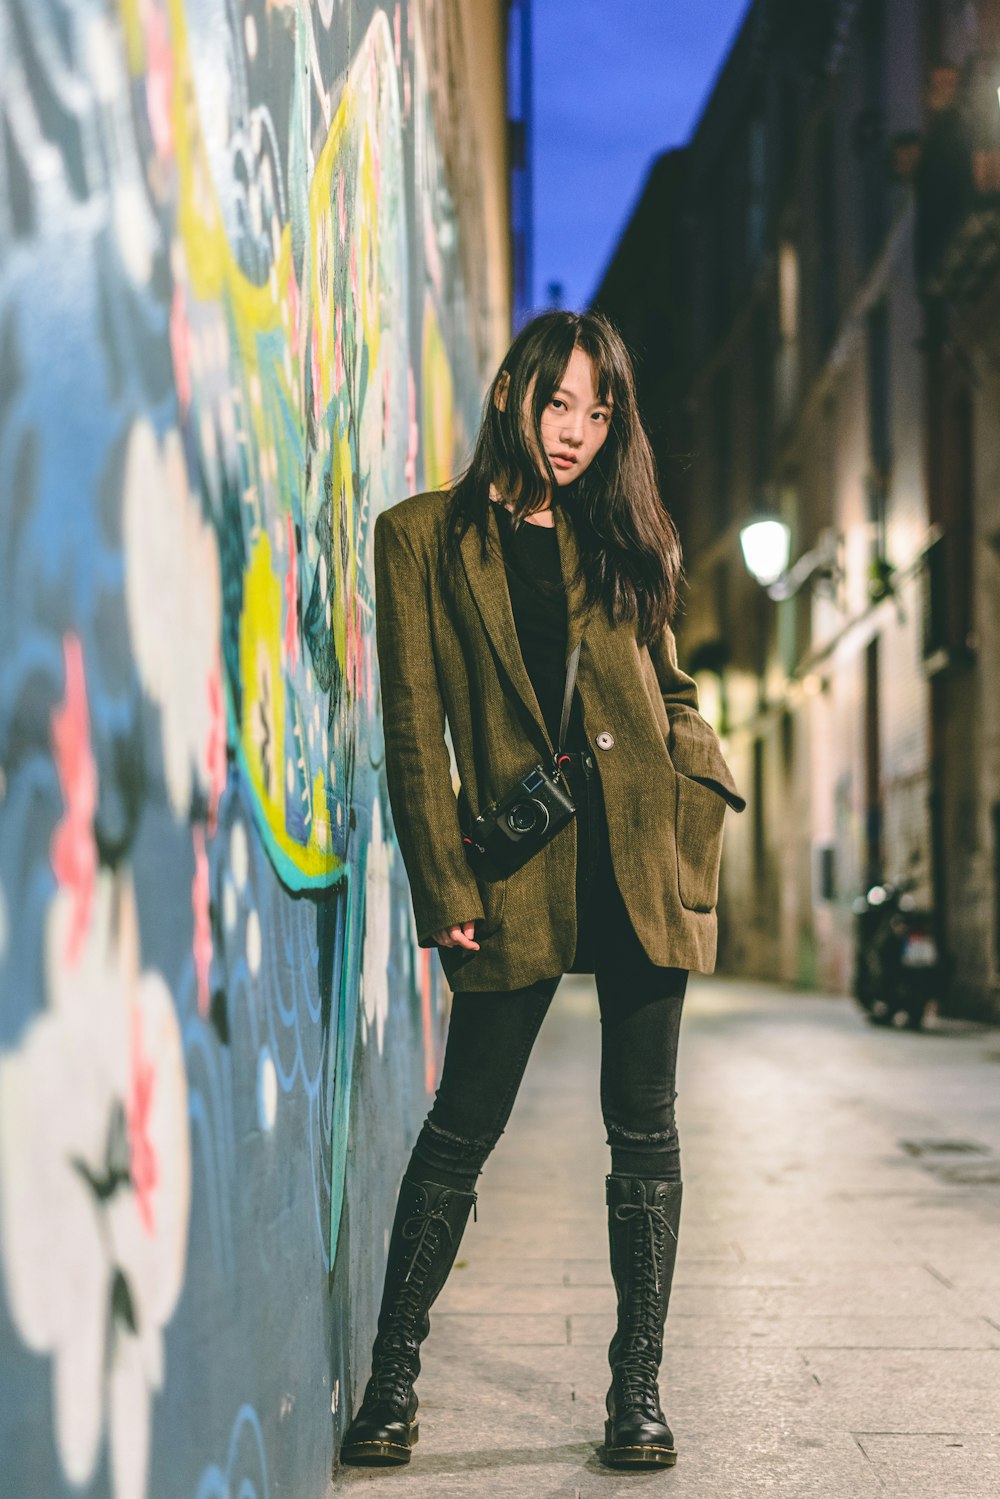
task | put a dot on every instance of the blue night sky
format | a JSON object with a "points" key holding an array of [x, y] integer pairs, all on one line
{"points": [[614, 85]]}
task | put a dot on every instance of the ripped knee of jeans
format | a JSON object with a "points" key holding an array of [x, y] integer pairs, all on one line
{"points": [[439, 1145], [450, 1136], [661, 1121], [618, 1135], [650, 1153]]}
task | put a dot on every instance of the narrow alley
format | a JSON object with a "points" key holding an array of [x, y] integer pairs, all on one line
{"points": [[835, 1321]]}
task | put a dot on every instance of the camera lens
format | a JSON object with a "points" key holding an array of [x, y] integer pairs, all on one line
{"points": [[527, 817]]}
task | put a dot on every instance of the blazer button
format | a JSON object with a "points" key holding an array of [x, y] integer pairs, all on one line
{"points": [[605, 740]]}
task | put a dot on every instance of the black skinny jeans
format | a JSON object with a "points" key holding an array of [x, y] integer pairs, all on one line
{"points": [[490, 1035]]}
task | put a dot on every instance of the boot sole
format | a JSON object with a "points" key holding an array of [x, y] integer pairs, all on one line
{"points": [[646, 1455], [380, 1454]]}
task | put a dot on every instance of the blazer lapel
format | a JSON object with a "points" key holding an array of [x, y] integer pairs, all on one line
{"points": [[488, 582]]}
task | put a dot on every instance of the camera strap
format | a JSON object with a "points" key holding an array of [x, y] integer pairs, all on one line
{"points": [[571, 666]]}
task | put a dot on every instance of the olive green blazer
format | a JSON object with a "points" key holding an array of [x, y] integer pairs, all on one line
{"points": [[450, 652]]}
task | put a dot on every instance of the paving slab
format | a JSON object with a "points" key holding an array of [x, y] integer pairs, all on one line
{"points": [[911, 1389], [740, 1331], [962, 1467], [835, 1323]]}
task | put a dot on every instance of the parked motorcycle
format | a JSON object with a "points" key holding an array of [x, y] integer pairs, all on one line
{"points": [[898, 969]]}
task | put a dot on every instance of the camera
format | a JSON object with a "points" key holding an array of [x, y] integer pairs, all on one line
{"points": [[505, 836]]}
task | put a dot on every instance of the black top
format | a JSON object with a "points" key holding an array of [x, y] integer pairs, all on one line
{"points": [[538, 601]]}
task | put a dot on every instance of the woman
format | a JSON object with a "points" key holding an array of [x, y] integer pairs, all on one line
{"points": [[555, 536]]}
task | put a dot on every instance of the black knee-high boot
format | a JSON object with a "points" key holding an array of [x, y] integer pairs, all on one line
{"points": [[643, 1219], [426, 1232]]}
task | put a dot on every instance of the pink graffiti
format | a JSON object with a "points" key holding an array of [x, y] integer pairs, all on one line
{"points": [[293, 311], [215, 748], [201, 946], [73, 851], [359, 650], [291, 598], [144, 1167], [159, 81], [355, 645], [317, 384], [338, 345], [413, 434], [180, 349]]}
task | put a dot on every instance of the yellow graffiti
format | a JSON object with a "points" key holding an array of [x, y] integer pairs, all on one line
{"points": [[135, 47], [438, 403], [261, 678], [320, 810], [289, 344]]}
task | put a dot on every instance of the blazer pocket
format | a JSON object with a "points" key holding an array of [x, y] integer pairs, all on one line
{"points": [[700, 814], [493, 894]]}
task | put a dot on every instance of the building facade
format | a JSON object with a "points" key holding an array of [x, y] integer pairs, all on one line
{"points": [[956, 177], [819, 375], [254, 275]]}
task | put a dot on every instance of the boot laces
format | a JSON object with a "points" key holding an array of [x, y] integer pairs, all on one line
{"points": [[393, 1376], [397, 1365], [638, 1364]]}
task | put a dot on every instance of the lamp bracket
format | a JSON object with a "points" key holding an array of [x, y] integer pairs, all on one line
{"points": [[823, 559]]}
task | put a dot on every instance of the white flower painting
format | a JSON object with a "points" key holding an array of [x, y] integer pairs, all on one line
{"points": [[95, 1184]]}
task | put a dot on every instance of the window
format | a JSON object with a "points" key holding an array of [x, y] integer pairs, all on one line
{"points": [[788, 327], [756, 190], [869, 128], [788, 134], [873, 765], [828, 308], [720, 281], [757, 812], [825, 505], [722, 448], [996, 884], [788, 291], [762, 392], [879, 417], [826, 872], [948, 566]]}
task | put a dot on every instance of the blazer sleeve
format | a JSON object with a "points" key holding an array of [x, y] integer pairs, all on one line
{"points": [[443, 888], [694, 745]]}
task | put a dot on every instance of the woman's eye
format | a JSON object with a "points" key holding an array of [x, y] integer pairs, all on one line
{"points": [[556, 402]]}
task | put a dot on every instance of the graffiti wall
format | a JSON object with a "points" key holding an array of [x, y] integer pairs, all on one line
{"points": [[252, 279]]}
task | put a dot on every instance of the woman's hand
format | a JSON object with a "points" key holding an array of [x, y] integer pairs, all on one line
{"points": [[457, 936]]}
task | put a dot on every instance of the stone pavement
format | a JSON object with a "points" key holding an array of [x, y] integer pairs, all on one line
{"points": [[835, 1322]]}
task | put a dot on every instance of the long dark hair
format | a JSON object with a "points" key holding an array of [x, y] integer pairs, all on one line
{"points": [[630, 555]]}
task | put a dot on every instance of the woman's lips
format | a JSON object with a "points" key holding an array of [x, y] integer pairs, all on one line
{"points": [[562, 460]]}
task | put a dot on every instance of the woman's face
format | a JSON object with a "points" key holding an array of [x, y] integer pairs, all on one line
{"points": [[574, 424]]}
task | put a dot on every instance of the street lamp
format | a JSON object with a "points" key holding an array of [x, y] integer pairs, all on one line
{"points": [[766, 547]]}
